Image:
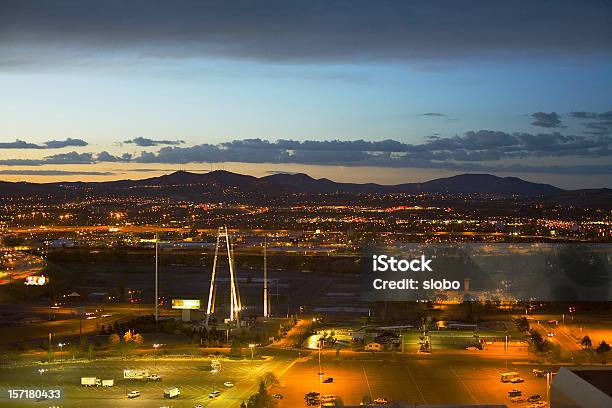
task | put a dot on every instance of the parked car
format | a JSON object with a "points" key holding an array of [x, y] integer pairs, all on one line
{"points": [[277, 396], [518, 398], [329, 380], [228, 384], [214, 394], [133, 394], [534, 398]]}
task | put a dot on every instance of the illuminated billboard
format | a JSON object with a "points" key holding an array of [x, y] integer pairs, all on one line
{"points": [[36, 280], [186, 304]]}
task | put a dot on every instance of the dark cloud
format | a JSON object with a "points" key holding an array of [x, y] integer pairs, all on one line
{"points": [[69, 158], [145, 142], [55, 173], [601, 124], [592, 115], [61, 158], [310, 31], [105, 156], [50, 144], [471, 151], [19, 144], [465, 152], [433, 114], [58, 144], [547, 120]]}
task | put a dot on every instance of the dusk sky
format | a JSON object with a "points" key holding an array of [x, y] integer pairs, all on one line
{"points": [[382, 91]]}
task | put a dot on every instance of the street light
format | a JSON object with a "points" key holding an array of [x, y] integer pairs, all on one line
{"points": [[61, 345], [320, 344], [156, 346], [252, 347]]}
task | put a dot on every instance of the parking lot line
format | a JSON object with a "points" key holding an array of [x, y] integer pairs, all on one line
{"points": [[464, 385], [416, 385]]}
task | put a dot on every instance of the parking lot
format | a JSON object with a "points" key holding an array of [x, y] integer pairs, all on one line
{"points": [[414, 380], [194, 378]]}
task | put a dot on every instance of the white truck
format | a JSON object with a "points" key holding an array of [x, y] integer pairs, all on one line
{"points": [[172, 392], [508, 377], [96, 382], [90, 382], [136, 374]]}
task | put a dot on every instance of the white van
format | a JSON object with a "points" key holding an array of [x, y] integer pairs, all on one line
{"points": [[171, 392], [509, 377]]}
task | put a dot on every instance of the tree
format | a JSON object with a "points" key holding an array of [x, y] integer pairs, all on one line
{"points": [[522, 324], [268, 379], [114, 339], [602, 349], [127, 337], [586, 342], [138, 339], [538, 342], [262, 399], [236, 351]]}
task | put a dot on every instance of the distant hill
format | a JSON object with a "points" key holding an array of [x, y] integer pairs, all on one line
{"points": [[483, 183], [201, 186]]}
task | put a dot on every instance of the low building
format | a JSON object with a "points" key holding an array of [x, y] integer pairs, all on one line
{"points": [[582, 387]]}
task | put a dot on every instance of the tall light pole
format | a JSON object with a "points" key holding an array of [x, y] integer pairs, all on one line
{"points": [[506, 352], [320, 374], [548, 384], [265, 294], [61, 345], [156, 346], [252, 347], [49, 347], [156, 277]]}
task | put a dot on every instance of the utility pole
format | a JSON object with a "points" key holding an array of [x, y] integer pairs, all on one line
{"points": [[156, 277], [265, 294]]}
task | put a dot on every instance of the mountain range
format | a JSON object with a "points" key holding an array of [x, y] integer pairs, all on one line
{"points": [[197, 186]]}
